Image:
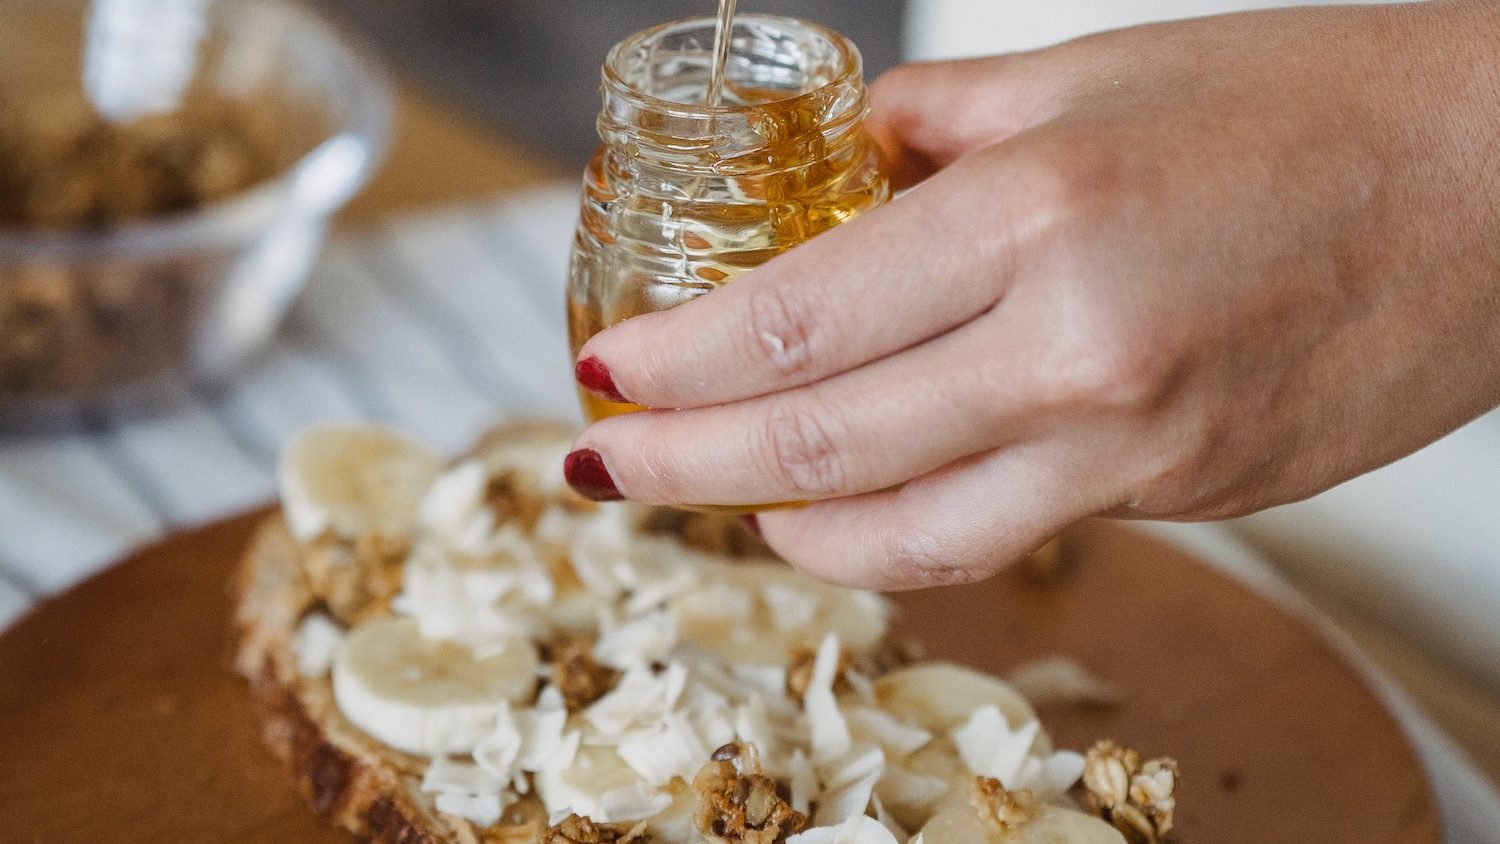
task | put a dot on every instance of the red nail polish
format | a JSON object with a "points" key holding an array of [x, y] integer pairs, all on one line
{"points": [[752, 524], [586, 474], [594, 376]]}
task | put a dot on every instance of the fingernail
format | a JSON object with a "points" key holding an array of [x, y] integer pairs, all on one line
{"points": [[594, 376], [752, 524], [586, 474]]}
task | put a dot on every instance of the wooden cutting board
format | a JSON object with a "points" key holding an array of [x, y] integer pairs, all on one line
{"points": [[120, 720]]}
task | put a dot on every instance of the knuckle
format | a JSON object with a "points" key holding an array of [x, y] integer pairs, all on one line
{"points": [[902, 77], [803, 449], [780, 330], [1107, 371], [924, 558], [1067, 174]]}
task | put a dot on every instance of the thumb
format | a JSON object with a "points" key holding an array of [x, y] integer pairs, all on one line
{"points": [[926, 115]]}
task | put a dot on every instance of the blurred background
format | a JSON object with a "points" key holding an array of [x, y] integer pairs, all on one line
{"points": [[530, 68]]}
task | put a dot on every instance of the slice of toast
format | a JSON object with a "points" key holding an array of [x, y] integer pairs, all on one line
{"points": [[357, 783], [289, 588]]}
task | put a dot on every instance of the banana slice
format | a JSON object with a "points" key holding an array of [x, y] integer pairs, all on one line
{"points": [[941, 695], [1052, 825], [536, 449], [599, 785], [353, 479], [756, 612], [921, 784], [426, 696]]}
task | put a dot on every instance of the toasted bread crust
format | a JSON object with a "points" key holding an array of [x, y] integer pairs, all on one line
{"points": [[366, 788]]}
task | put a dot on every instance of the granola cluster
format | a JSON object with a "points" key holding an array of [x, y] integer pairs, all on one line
{"points": [[712, 533], [799, 671], [1138, 798], [513, 500], [1000, 808], [737, 804], [579, 830], [577, 675], [355, 579]]}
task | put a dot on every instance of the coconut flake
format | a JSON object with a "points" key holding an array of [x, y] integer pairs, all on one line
{"points": [[862, 685], [790, 608], [497, 752], [316, 641], [556, 526], [466, 789], [713, 725], [767, 680], [1063, 681], [804, 782], [898, 738], [656, 592], [990, 748], [453, 506], [671, 748], [546, 743], [830, 733], [637, 642], [462, 602], [603, 540], [859, 829], [557, 816], [752, 725], [641, 696], [885, 818], [1059, 772], [632, 803], [849, 785]]}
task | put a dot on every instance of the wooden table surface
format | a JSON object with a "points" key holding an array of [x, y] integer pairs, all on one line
{"points": [[124, 723], [440, 157]]}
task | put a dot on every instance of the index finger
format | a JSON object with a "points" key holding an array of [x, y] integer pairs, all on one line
{"points": [[890, 279]]}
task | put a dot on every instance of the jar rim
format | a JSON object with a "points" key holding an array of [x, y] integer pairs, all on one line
{"points": [[850, 66]]}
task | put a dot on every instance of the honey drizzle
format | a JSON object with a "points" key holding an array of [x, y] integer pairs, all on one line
{"points": [[723, 38]]}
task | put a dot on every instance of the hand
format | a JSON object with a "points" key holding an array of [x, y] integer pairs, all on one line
{"points": [[1183, 271]]}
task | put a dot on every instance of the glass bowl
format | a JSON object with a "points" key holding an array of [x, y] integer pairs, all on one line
{"points": [[95, 312]]}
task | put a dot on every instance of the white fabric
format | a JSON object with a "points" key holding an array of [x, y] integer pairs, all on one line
{"points": [[946, 29], [439, 326], [1416, 544]]}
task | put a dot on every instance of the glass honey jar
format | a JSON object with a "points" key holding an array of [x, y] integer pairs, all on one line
{"points": [[683, 197]]}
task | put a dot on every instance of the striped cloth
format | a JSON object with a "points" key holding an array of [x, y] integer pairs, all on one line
{"points": [[439, 326]]}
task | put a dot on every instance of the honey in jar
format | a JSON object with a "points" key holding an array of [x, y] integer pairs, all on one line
{"points": [[685, 194]]}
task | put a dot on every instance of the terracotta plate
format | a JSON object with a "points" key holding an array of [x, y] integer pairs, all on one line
{"points": [[120, 721]]}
